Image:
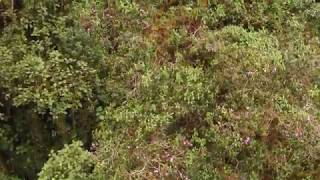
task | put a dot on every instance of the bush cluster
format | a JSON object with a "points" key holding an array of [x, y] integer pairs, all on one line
{"points": [[206, 89]]}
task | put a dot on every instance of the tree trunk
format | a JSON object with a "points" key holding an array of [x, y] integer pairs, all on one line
{"points": [[3, 164]]}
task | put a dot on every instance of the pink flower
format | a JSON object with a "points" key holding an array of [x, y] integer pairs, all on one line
{"points": [[247, 141]]}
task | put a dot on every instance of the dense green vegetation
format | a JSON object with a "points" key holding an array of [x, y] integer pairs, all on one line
{"points": [[159, 89]]}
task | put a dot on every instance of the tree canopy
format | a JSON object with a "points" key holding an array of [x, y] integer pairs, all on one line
{"points": [[159, 89]]}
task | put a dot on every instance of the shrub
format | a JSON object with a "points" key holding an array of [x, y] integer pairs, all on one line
{"points": [[72, 162]]}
